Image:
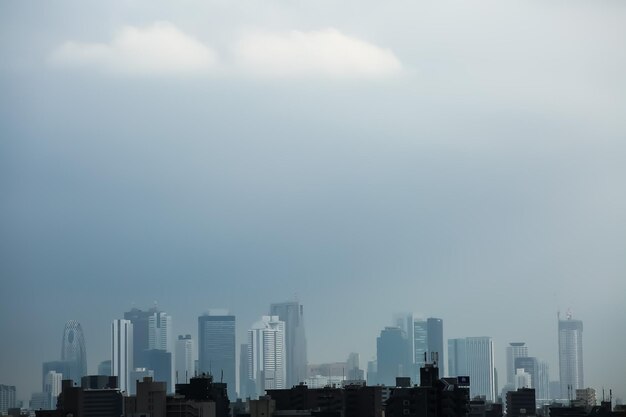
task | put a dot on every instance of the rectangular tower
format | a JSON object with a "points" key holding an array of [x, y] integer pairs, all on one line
{"points": [[292, 314], [122, 352], [216, 348], [570, 356]]}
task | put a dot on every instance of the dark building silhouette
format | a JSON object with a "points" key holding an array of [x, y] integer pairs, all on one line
{"points": [[521, 403], [201, 389], [350, 401], [434, 397], [392, 355], [105, 400], [150, 400]]}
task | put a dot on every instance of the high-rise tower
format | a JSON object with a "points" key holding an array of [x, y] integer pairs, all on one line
{"points": [[122, 352], [474, 357], [184, 359], [570, 356], [392, 355], [266, 355], [513, 351], [292, 314], [216, 348], [73, 351]]}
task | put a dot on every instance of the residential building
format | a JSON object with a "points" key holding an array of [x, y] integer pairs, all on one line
{"points": [[266, 355]]}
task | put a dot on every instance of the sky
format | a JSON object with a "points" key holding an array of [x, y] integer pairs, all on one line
{"points": [[458, 160]]}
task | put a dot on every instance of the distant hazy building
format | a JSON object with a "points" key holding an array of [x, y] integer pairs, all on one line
{"points": [[184, 359], [353, 368], [542, 386], [513, 351], [104, 368], [474, 357], [530, 365], [52, 389], [434, 327], [160, 331], [292, 314], [392, 355], [217, 349], [586, 397], [420, 345], [570, 356], [122, 352], [61, 367], [246, 385], [73, 351], [522, 379], [159, 361], [266, 355], [7, 398]]}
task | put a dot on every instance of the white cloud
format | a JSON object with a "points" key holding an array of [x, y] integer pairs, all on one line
{"points": [[158, 49], [325, 52]]}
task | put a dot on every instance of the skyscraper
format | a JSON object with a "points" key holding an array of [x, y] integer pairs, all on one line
{"points": [[52, 389], [392, 355], [474, 357], [184, 359], [7, 398], [513, 351], [266, 355], [531, 365], [570, 356], [73, 351], [420, 345], [292, 314], [434, 328], [122, 352], [216, 348], [160, 331]]}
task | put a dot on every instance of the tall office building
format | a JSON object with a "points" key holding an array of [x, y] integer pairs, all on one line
{"points": [[73, 351], [292, 314], [420, 345], [160, 331], [513, 351], [570, 356], [184, 359], [52, 389], [7, 398], [266, 355], [434, 328], [244, 370], [392, 355], [542, 386], [474, 357], [216, 348], [122, 352]]}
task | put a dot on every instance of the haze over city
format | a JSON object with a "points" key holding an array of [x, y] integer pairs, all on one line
{"points": [[459, 161]]}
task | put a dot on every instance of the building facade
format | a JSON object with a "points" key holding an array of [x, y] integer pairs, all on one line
{"points": [[122, 352], [292, 314], [392, 355], [513, 351], [73, 351], [474, 357], [183, 356], [570, 356], [266, 355], [217, 349]]}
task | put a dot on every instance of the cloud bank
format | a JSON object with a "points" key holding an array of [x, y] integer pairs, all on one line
{"points": [[163, 49], [325, 52], [158, 49]]}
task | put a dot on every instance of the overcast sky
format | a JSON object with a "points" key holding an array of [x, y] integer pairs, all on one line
{"points": [[460, 160]]}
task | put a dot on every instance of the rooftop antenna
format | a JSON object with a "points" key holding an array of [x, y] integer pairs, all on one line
{"points": [[222, 376]]}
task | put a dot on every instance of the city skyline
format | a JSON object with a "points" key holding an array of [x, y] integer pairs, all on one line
{"points": [[360, 158]]}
